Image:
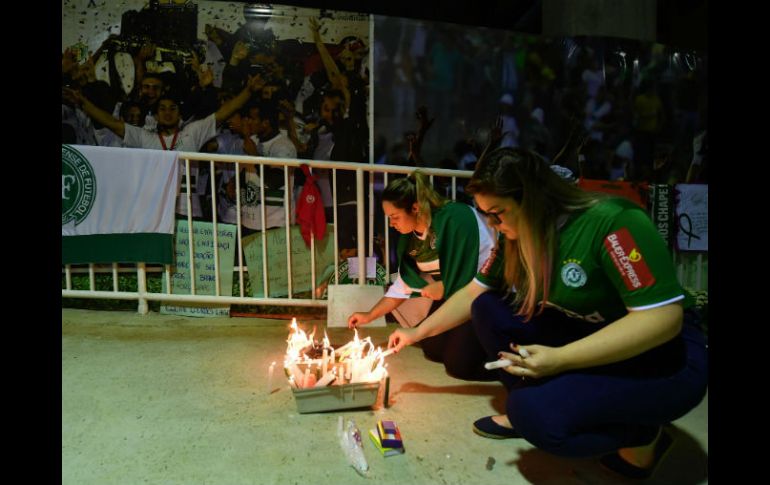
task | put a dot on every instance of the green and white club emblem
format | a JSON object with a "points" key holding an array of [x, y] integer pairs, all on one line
{"points": [[573, 275], [78, 186]]}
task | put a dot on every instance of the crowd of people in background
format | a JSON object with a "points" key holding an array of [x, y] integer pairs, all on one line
{"points": [[608, 109], [266, 100], [605, 109]]}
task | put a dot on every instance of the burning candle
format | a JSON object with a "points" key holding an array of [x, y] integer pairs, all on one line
{"points": [[386, 394], [305, 378], [326, 379], [297, 374], [362, 371], [270, 378], [324, 362], [310, 380], [368, 361], [387, 353]]}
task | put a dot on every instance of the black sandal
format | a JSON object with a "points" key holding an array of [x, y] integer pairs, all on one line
{"points": [[617, 464], [487, 428]]}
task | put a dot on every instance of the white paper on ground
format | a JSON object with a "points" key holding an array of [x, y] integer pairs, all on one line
{"points": [[344, 300]]}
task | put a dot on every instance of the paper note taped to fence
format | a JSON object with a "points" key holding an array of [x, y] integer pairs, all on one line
{"points": [[277, 262], [692, 217], [204, 274]]}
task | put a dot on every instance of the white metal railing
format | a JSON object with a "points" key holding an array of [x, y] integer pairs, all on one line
{"points": [[142, 295], [697, 281]]}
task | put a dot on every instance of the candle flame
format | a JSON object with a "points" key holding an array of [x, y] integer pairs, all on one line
{"points": [[297, 342], [326, 340]]}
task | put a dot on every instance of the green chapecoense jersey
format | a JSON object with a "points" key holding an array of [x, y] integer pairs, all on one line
{"points": [[453, 239], [610, 260]]}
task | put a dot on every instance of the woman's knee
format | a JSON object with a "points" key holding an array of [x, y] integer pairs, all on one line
{"points": [[541, 426], [433, 348], [465, 356], [485, 305]]}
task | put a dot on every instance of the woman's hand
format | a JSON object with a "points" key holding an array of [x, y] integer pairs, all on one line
{"points": [[69, 60], [533, 361], [72, 96], [434, 291], [401, 338], [147, 51], [255, 83], [359, 318]]}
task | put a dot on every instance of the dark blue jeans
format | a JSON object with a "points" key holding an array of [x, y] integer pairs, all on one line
{"points": [[459, 350], [592, 411]]}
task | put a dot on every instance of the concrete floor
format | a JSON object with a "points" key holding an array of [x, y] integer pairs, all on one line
{"points": [[170, 400]]}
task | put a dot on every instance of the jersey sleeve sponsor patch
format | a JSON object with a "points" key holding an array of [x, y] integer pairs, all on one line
{"points": [[628, 260], [488, 263]]}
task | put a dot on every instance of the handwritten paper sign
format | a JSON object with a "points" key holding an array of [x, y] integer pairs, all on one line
{"points": [[692, 217], [277, 274], [205, 281]]}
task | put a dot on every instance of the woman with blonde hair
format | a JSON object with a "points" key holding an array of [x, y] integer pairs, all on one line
{"points": [[581, 297], [441, 248]]}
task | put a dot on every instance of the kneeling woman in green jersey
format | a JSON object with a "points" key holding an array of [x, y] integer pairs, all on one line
{"points": [[441, 248]]}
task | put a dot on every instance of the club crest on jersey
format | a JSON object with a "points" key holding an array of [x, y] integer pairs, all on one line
{"points": [[628, 260], [573, 275], [249, 193]]}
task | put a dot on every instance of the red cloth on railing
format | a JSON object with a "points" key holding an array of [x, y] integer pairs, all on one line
{"points": [[636, 191], [310, 209]]}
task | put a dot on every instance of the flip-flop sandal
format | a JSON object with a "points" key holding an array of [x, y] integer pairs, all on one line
{"points": [[615, 463]]}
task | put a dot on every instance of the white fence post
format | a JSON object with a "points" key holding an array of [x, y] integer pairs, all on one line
{"points": [[141, 287], [360, 226]]}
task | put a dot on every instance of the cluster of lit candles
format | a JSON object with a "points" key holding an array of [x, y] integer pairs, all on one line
{"points": [[309, 363]]}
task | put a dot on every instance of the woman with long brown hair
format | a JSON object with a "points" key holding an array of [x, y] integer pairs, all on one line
{"points": [[581, 297]]}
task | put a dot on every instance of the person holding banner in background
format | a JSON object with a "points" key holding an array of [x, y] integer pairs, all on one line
{"points": [[602, 348], [169, 135], [441, 247]]}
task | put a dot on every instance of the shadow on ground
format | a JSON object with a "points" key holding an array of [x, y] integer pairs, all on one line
{"points": [[496, 393], [686, 463]]}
